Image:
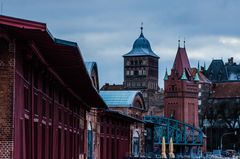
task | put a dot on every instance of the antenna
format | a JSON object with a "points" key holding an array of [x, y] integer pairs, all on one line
{"points": [[184, 42], [141, 27]]}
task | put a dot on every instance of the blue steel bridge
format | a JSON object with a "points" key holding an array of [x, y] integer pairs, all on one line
{"points": [[187, 139]]}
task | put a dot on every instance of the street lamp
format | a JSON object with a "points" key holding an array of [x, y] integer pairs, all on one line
{"points": [[235, 133]]}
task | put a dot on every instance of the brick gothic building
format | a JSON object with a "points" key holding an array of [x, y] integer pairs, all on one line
{"points": [[181, 90], [141, 73], [45, 92]]}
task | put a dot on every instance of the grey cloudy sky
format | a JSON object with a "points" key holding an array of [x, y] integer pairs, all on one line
{"points": [[106, 29]]}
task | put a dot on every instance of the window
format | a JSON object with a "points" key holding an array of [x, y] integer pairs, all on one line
{"points": [[199, 86], [131, 62], [27, 139], [113, 148], [199, 102], [135, 72], [26, 70], [140, 72], [35, 140], [35, 104], [50, 142], [26, 98], [144, 72], [199, 94], [50, 107], [127, 72], [59, 115], [43, 141], [131, 72], [59, 142], [43, 107]]}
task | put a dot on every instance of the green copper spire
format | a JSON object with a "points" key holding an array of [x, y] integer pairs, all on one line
{"points": [[166, 76], [196, 77], [184, 77], [204, 66]]}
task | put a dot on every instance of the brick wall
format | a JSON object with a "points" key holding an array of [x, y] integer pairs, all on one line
{"points": [[6, 98]]}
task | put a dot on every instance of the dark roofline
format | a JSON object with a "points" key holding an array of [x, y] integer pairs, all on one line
{"points": [[22, 23], [141, 56], [50, 46], [122, 116]]}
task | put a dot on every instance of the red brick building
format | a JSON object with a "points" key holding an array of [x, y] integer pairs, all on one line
{"points": [[181, 90], [45, 92], [110, 131], [115, 134]]}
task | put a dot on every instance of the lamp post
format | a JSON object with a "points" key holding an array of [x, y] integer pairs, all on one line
{"points": [[225, 134]]}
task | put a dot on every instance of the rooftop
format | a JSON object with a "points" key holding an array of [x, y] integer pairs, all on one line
{"points": [[181, 62], [141, 47], [68, 67], [121, 98]]}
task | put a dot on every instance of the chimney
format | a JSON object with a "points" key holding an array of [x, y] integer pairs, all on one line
{"points": [[230, 61]]}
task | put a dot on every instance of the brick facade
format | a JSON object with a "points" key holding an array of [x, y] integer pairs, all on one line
{"points": [[181, 91], [6, 97]]}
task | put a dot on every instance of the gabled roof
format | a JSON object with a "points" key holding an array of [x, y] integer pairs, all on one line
{"points": [[120, 98], [62, 57], [141, 47], [181, 61], [216, 72]]}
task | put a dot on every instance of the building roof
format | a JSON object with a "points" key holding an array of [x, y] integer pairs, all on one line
{"points": [[220, 72], [93, 73], [119, 98], [108, 86], [181, 62], [202, 78], [141, 47], [216, 71], [62, 57], [89, 66], [226, 90], [122, 116]]}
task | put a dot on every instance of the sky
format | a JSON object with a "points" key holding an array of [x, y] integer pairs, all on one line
{"points": [[107, 29]]}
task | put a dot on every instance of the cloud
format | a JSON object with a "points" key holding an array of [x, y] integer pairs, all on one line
{"points": [[232, 41], [105, 30]]}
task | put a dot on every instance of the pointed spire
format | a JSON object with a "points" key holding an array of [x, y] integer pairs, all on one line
{"points": [[166, 76], [204, 66], [183, 77], [178, 43], [141, 29], [196, 77]]}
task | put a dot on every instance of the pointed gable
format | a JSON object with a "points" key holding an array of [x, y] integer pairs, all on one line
{"points": [[181, 61]]}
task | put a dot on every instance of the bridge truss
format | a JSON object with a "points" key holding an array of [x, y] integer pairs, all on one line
{"points": [[184, 136]]}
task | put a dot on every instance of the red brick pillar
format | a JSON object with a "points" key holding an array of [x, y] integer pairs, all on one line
{"points": [[6, 98]]}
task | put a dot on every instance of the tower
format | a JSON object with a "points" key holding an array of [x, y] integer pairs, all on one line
{"points": [[141, 68], [181, 90]]}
